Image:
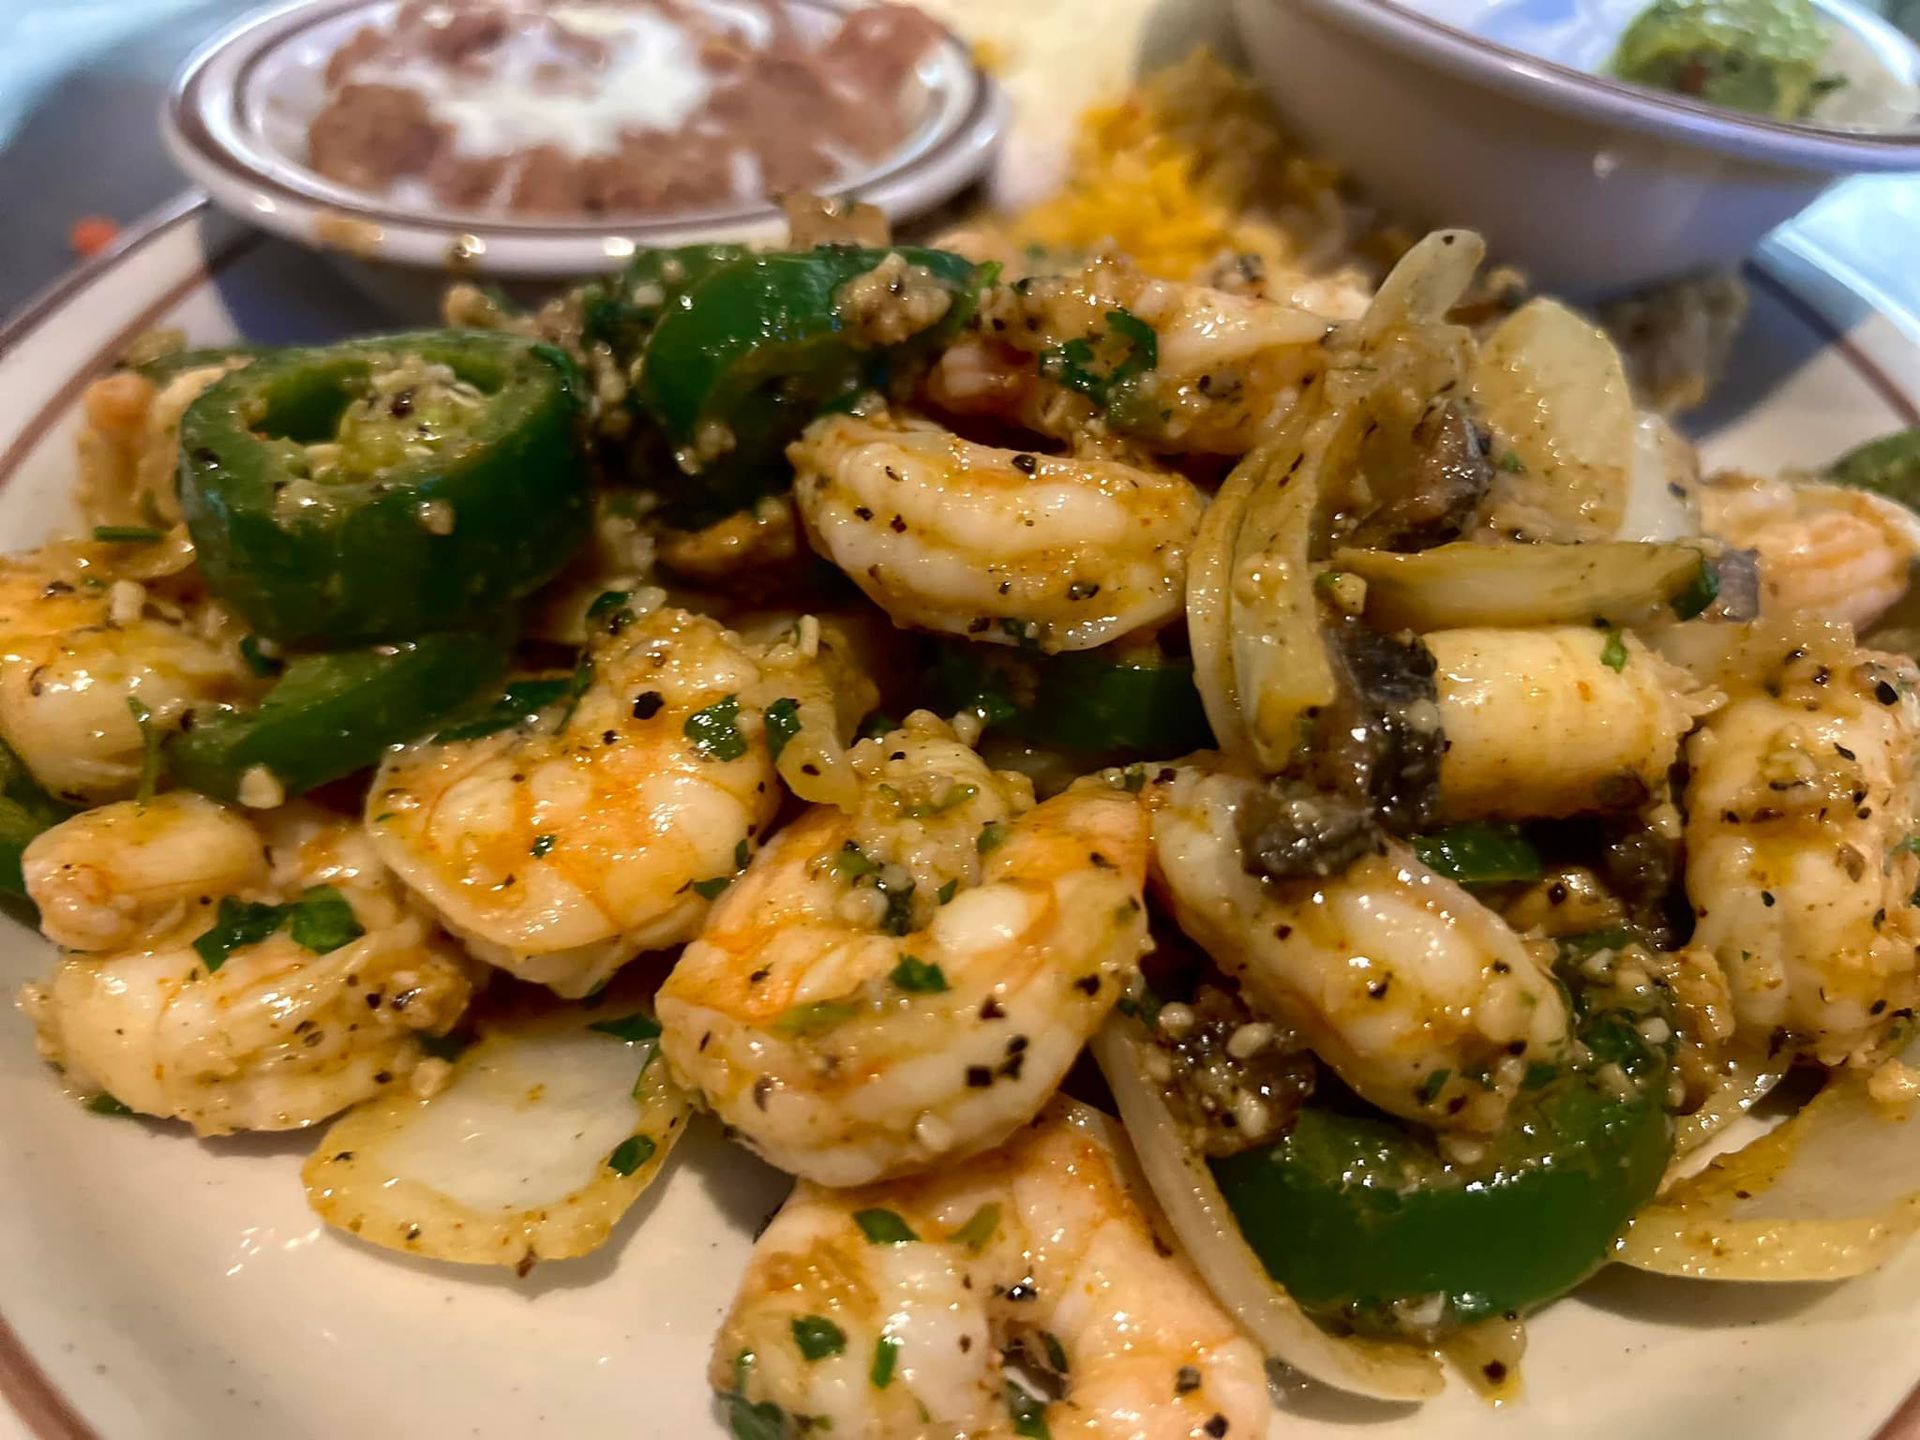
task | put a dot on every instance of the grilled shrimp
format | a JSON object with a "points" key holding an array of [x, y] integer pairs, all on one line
{"points": [[905, 983], [1543, 723], [1004, 547], [1800, 809], [1402, 982], [130, 448], [270, 1035], [89, 654], [1826, 552], [562, 847], [1222, 366], [888, 1310]]}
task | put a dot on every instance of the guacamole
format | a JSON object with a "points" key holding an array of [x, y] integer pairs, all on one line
{"points": [[1763, 56]]}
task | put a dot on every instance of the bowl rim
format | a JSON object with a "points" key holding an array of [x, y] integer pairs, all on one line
{"points": [[1784, 143], [926, 170]]}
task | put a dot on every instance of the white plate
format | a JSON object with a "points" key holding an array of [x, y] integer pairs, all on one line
{"points": [[236, 120], [155, 1286]]}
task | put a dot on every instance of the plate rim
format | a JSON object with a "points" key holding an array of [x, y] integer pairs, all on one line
{"points": [[50, 1413]]}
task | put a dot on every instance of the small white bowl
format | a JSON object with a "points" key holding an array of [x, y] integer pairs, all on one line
{"points": [[1589, 184], [236, 121]]}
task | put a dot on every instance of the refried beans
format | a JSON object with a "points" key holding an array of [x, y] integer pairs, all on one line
{"points": [[615, 107]]}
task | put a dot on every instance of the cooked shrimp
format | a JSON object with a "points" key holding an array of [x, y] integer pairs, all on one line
{"points": [[1543, 723], [1800, 817], [270, 1034], [1826, 552], [84, 650], [906, 983], [1417, 995], [1004, 547], [116, 877], [1036, 1248], [562, 847], [131, 446], [1223, 364]]}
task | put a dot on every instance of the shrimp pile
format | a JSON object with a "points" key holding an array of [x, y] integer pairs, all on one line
{"points": [[1365, 734]]}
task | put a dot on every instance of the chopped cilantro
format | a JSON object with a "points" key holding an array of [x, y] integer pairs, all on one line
{"points": [[1029, 1413], [979, 1228], [518, 704], [710, 889], [918, 977], [742, 853], [947, 891], [817, 1336], [605, 603], [1613, 654], [105, 1104], [899, 917], [1056, 1352], [1511, 462], [886, 1354], [850, 863], [149, 749], [1431, 1087], [991, 837], [715, 732], [542, 844], [783, 723], [884, 1227], [1701, 591], [322, 921], [631, 1153], [126, 534], [236, 925]]}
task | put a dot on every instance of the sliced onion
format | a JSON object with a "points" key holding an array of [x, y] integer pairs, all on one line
{"points": [[1663, 485], [1551, 387], [1210, 606], [1511, 586], [544, 1134], [1281, 668], [1744, 1081], [1830, 1194], [1425, 285], [1194, 1207]]}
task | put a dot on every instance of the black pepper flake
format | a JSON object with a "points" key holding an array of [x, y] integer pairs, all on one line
{"points": [[646, 706], [861, 512], [1088, 984], [1377, 990], [1495, 1371], [898, 525], [1766, 898], [1216, 1425], [1026, 464], [1886, 694], [1186, 1380], [1023, 1290], [762, 1088], [991, 1009], [979, 1077], [1844, 753], [1281, 932]]}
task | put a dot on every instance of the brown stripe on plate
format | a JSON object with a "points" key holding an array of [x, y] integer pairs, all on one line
{"points": [[49, 414]]}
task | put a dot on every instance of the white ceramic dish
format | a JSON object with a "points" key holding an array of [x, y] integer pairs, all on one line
{"points": [[236, 122], [155, 1287], [1589, 184]]}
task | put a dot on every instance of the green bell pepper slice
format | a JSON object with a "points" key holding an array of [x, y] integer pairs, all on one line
{"points": [[328, 510], [1089, 701], [163, 368], [25, 811], [620, 313], [1479, 854], [1366, 1225], [1889, 466], [754, 348], [330, 715]]}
